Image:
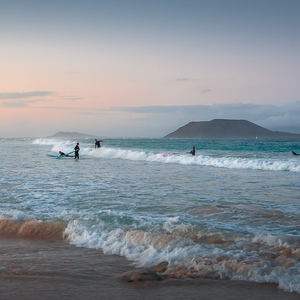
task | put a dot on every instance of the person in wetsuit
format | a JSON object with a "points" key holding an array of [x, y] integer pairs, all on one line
{"points": [[295, 153], [193, 152], [97, 143], [77, 151], [62, 153]]}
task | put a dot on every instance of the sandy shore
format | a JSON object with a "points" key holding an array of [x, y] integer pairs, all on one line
{"points": [[57, 270]]}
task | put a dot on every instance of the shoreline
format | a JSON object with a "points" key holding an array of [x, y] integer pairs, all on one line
{"points": [[33, 269]]}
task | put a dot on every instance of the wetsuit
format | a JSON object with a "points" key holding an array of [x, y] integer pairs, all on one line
{"points": [[97, 144], [76, 151], [295, 153], [61, 153], [193, 152]]}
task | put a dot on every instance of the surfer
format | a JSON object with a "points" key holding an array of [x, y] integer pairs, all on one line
{"points": [[193, 152], [97, 144], [77, 151], [295, 153], [63, 154]]}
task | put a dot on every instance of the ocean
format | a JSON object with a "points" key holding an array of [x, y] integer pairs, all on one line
{"points": [[229, 213]]}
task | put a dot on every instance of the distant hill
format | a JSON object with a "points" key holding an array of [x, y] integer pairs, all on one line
{"points": [[72, 135], [222, 128]]}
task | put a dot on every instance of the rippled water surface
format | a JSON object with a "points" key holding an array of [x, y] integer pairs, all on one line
{"points": [[231, 211]]}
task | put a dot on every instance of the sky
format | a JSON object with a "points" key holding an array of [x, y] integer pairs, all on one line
{"points": [[128, 68]]}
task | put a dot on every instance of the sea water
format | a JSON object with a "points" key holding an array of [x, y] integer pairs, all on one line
{"points": [[232, 211]]}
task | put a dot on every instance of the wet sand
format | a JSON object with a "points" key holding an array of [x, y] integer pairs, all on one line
{"points": [[56, 270]]}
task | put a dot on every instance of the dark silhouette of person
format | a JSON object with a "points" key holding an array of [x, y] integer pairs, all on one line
{"points": [[77, 151], [97, 143], [193, 152]]}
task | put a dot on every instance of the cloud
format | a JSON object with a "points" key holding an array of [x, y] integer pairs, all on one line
{"points": [[147, 109], [14, 104], [158, 121], [21, 103], [59, 107], [34, 101], [273, 117], [25, 94], [184, 79], [206, 91], [90, 113], [71, 98]]}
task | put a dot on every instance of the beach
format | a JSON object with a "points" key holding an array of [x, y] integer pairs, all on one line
{"points": [[57, 270], [224, 221]]}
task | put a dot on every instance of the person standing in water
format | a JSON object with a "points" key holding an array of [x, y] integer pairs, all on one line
{"points": [[97, 144], [193, 152], [77, 151]]}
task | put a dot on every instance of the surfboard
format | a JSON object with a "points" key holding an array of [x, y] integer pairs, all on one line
{"points": [[64, 155], [52, 155], [59, 156], [167, 154]]}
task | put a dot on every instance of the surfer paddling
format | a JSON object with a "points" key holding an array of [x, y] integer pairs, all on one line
{"points": [[295, 153], [77, 151], [193, 152], [97, 143], [67, 155]]}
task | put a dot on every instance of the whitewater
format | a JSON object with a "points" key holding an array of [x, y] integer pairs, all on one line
{"points": [[231, 212]]}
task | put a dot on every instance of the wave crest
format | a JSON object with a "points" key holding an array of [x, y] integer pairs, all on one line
{"points": [[230, 162]]}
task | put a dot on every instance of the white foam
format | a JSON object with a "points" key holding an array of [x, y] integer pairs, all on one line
{"points": [[148, 249], [64, 145], [268, 239], [13, 214], [220, 162], [201, 160], [105, 152], [268, 164], [51, 142]]}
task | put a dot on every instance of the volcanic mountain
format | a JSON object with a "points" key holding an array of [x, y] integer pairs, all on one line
{"points": [[222, 128], [63, 134]]}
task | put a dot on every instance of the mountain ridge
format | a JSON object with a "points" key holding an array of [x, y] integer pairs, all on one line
{"points": [[65, 134], [226, 128]]}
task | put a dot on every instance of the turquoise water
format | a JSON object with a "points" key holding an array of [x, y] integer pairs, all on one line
{"points": [[231, 211], [206, 145]]}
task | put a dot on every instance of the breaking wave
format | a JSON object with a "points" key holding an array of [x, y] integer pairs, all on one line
{"points": [[262, 258], [201, 160], [230, 162], [191, 252]]}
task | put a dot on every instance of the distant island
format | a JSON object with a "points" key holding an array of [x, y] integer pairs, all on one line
{"points": [[72, 135], [223, 128]]}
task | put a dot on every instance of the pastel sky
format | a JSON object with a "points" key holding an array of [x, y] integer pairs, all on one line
{"points": [[129, 68]]}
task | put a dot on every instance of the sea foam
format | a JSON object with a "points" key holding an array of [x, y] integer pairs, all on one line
{"points": [[187, 258], [200, 160], [231, 162]]}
